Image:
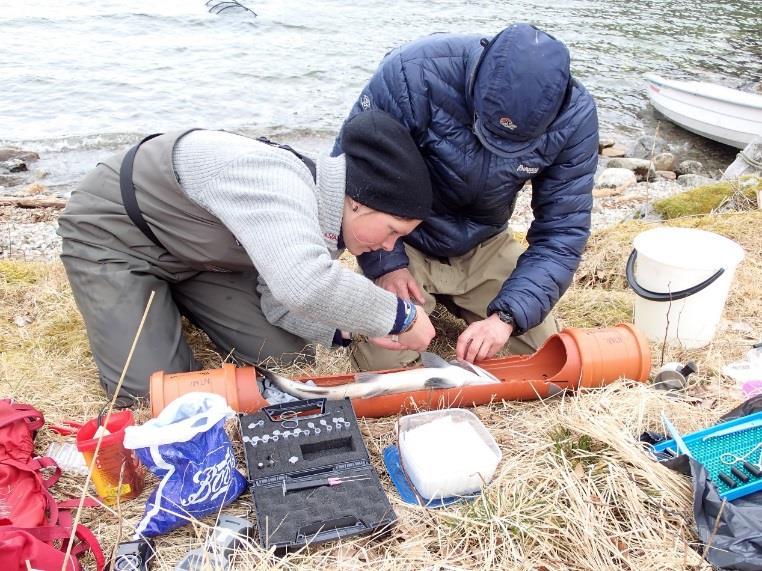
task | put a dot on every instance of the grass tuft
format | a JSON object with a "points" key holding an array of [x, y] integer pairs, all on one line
{"points": [[709, 197]]}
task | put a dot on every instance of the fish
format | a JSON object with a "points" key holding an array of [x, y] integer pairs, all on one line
{"points": [[436, 373]]}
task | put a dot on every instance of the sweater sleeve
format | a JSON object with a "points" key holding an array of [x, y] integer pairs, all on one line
{"points": [[561, 201], [267, 199]]}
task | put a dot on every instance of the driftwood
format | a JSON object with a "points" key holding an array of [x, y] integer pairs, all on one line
{"points": [[33, 201]]}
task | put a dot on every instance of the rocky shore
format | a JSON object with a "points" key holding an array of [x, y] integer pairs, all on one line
{"points": [[628, 181]]}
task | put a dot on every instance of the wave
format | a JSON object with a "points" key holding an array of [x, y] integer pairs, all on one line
{"points": [[91, 142], [116, 141]]}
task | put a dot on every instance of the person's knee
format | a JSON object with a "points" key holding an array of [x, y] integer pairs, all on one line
{"points": [[367, 357]]}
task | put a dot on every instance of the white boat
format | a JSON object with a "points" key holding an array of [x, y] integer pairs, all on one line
{"points": [[719, 113]]}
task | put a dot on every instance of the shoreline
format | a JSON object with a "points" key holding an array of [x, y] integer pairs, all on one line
{"points": [[30, 233]]}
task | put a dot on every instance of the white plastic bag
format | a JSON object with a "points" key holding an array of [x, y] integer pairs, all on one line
{"points": [[749, 369]]}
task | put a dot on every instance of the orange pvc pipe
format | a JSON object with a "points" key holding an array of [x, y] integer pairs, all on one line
{"points": [[570, 359], [237, 384]]}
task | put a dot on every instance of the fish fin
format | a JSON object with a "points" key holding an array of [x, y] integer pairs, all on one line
{"points": [[438, 383], [367, 377], [430, 360], [463, 364]]}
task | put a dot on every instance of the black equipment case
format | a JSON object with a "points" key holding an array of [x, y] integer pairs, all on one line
{"points": [[292, 449]]}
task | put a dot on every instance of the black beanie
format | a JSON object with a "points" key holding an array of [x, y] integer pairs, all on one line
{"points": [[385, 170]]}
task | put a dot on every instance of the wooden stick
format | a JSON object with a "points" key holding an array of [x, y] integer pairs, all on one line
{"points": [[31, 202]]}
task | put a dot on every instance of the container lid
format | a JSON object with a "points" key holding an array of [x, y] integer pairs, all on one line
{"points": [[446, 452], [116, 426], [688, 248], [405, 488]]}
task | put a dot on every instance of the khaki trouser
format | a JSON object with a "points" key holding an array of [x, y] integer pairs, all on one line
{"points": [[465, 285]]}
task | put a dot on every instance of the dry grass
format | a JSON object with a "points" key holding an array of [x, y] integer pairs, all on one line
{"points": [[574, 489]]}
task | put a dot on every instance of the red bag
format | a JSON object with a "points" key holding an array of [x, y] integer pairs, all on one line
{"points": [[32, 528], [35, 545], [24, 497]]}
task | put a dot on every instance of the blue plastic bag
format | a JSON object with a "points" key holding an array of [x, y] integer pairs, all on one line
{"points": [[187, 447]]}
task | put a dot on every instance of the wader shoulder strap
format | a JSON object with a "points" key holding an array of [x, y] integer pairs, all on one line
{"points": [[129, 200], [308, 162]]}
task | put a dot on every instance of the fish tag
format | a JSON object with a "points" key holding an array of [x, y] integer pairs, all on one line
{"points": [[430, 360], [367, 377], [438, 383]]}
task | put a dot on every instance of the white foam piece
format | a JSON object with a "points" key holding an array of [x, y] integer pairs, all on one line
{"points": [[447, 453]]}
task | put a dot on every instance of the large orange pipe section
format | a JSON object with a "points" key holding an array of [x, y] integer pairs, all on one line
{"points": [[570, 359]]}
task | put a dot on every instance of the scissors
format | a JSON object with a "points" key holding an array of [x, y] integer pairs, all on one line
{"points": [[728, 458]]}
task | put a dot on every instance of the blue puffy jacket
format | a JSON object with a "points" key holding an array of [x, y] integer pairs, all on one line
{"points": [[425, 85]]}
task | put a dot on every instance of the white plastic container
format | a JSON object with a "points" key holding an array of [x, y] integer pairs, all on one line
{"points": [[446, 453], [681, 277]]}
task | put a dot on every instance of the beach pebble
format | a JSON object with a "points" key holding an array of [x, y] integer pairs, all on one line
{"points": [[664, 162], [693, 180], [614, 151], [666, 175], [605, 143], [689, 167], [7, 154], [647, 146], [14, 165], [616, 178], [641, 167]]}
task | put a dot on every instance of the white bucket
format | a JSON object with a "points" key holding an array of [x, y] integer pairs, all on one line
{"points": [[681, 277]]}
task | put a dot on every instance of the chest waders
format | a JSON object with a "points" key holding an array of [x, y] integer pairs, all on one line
{"points": [[127, 187], [187, 257]]}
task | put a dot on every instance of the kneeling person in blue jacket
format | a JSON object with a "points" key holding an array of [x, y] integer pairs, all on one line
{"points": [[488, 116]]}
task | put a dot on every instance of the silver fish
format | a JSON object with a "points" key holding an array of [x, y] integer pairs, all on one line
{"points": [[436, 373]]}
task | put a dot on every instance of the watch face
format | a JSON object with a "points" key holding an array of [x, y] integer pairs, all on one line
{"points": [[505, 317]]}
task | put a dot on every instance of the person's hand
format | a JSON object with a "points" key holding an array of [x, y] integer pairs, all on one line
{"points": [[482, 339], [402, 284], [417, 338]]}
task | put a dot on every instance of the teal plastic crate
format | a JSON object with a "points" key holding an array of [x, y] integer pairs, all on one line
{"points": [[715, 452]]}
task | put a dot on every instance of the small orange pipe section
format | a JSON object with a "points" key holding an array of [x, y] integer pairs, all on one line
{"points": [[568, 360]]}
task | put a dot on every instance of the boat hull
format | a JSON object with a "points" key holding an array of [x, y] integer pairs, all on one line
{"points": [[719, 113]]}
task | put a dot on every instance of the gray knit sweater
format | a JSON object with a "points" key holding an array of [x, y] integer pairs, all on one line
{"points": [[289, 227]]}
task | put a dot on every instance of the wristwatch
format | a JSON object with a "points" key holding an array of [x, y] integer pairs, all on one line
{"points": [[507, 318]]}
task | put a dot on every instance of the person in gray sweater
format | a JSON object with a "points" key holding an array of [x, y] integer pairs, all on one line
{"points": [[242, 237]]}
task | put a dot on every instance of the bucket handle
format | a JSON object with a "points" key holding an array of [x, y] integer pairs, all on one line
{"points": [[668, 296]]}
